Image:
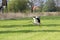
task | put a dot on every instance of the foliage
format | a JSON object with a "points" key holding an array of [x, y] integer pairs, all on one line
{"points": [[21, 5], [58, 9], [49, 6], [17, 5], [41, 6]]}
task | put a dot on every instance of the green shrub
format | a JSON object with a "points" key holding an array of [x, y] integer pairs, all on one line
{"points": [[17, 5]]}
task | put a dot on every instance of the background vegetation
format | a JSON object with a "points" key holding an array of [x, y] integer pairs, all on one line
{"points": [[21, 5], [17, 5]]}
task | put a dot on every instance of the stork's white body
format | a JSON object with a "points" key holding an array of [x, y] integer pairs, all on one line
{"points": [[36, 21]]}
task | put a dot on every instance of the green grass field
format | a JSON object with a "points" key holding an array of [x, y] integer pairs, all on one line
{"points": [[24, 29]]}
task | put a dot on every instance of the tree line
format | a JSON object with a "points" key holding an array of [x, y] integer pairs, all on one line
{"points": [[21, 6]]}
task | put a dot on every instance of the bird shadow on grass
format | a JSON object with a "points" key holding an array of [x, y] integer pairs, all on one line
{"points": [[28, 31], [29, 25]]}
